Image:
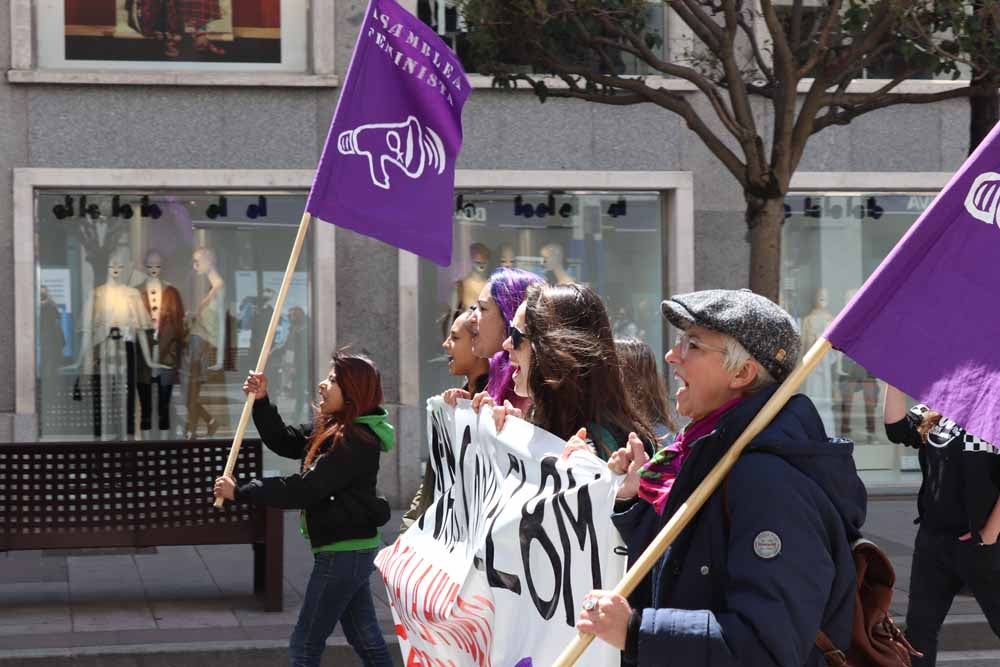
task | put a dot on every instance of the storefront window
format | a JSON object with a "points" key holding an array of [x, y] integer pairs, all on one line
{"points": [[152, 307], [206, 35], [610, 241], [831, 243]]}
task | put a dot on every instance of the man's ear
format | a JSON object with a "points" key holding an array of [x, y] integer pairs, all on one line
{"points": [[744, 377]]}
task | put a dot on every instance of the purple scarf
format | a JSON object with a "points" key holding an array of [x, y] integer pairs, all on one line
{"points": [[657, 476]]}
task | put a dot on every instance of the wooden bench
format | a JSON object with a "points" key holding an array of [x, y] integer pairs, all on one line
{"points": [[135, 494]]}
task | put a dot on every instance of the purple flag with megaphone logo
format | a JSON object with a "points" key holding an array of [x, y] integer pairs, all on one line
{"points": [[388, 168], [927, 319]]}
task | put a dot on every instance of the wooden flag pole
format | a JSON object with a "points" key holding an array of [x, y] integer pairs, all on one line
{"points": [[687, 511], [265, 351]]}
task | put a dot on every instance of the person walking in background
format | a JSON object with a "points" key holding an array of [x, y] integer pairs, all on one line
{"points": [[958, 510], [336, 492]]}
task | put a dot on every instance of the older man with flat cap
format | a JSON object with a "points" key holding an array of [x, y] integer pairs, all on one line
{"points": [[766, 564]]}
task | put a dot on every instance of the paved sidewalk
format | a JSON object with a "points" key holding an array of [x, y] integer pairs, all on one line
{"points": [[75, 604]]}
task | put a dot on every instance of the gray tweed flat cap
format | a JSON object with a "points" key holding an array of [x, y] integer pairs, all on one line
{"points": [[761, 326]]}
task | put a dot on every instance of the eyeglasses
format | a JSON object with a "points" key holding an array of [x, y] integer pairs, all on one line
{"points": [[516, 336], [686, 342]]}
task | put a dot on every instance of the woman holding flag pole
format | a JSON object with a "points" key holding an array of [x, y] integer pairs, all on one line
{"points": [[766, 564], [336, 493]]}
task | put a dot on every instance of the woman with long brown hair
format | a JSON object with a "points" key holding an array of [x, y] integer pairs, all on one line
{"points": [[564, 359], [336, 491], [645, 385]]}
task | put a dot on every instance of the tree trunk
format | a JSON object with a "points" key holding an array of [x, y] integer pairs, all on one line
{"points": [[765, 218], [984, 112]]}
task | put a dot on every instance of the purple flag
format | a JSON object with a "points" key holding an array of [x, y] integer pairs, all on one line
{"points": [[927, 319], [388, 167]]}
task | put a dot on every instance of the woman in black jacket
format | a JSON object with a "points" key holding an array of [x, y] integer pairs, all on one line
{"points": [[959, 515], [341, 511]]}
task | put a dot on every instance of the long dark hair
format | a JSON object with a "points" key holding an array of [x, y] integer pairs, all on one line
{"points": [[361, 385], [644, 382], [575, 376]]}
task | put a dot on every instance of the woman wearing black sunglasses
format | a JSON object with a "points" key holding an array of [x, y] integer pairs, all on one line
{"points": [[564, 357]]}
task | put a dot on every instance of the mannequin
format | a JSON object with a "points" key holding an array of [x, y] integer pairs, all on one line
{"points": [[166, 339], [468, 287], [819, 383], [553, 259], [207, 347], [507, 256], [114, 319], [854, 378]]}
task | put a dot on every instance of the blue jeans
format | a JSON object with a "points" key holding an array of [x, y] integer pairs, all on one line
{"points": [[338, 590]]}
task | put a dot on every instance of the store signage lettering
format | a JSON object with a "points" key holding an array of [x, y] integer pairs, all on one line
{"points": [[619, 208], [918, 203], [541, 210], [69, 207], [831, 208], [468, 211]]}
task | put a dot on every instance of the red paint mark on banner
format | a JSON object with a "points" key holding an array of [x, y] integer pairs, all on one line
{"points": [[429, 608]]}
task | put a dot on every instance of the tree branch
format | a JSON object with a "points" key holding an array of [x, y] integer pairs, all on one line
{"points": [[707, 30], [739, 100], [638, 48], [822, 44], [845, 114], [636, 87], [758, 56]]}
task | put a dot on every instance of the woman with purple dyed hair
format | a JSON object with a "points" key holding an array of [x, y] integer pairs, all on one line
{"points": [[490, 326]]}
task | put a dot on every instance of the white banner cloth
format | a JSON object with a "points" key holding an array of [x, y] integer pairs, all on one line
{"points": [[494, 573]]}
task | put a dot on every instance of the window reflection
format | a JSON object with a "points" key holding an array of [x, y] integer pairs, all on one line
{"points": [[152, 308]]}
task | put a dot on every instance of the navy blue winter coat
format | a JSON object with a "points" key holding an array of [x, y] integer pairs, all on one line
{"points": [[716, 598]]}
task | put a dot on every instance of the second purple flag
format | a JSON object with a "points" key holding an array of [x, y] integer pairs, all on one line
{"points": [[927, 320], [388, 167]]}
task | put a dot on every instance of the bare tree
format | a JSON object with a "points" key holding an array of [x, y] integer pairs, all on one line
{"points": [[801, 60]]}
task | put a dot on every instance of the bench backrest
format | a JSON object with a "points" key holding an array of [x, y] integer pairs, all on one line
{"points": [[104, 494]]}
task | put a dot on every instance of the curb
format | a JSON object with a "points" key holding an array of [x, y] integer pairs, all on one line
{"points": [[218, 654]]}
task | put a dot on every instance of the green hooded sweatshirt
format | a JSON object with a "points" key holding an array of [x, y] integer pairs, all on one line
{"points": [[386, 435]]}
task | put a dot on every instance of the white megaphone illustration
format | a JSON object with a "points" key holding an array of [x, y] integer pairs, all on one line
{"points": [[983, 200], [406, 145]]}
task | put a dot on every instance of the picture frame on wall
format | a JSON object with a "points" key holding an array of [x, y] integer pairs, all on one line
{"points": [[173, 35]]}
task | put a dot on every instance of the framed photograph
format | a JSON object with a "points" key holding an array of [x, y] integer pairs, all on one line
{"points": [[173, 35]]}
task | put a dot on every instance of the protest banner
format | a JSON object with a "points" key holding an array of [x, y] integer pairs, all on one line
{"points": [[494, 572]]}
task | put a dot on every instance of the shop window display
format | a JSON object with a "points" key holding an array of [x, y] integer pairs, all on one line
{"points": [[611, 241], [831, 243], [152, 308], [172, 35]]}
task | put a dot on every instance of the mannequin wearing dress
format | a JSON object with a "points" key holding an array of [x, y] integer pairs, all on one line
{"points": [[114, 320]]}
